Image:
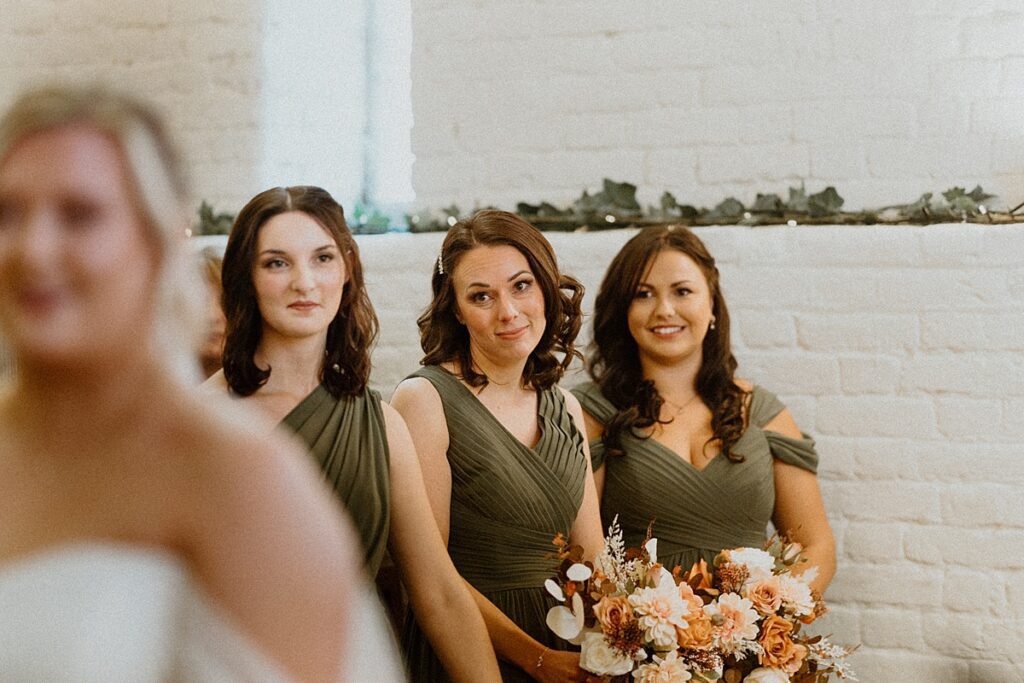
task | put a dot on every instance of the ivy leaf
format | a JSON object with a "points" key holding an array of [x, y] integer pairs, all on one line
{"points": [[669, 205], [587, 204], [979, 195], [211, 223], [620, 195], [921, 209], [767, 203], [729, 209], [797, 202], [825, 203]]}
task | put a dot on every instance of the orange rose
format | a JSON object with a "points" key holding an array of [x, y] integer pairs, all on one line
{"points": [[699, 576], [765, 595], [699, 634], [613, 613], [780, 651]]}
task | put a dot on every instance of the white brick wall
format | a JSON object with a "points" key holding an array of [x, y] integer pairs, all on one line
{"points": [[899, 349], [198, 61], [885, 100]]}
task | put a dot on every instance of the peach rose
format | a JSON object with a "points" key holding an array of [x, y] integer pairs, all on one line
{"points": [[613, 613], [765, 594], [779, 649], [699, 634], [690, 598]]}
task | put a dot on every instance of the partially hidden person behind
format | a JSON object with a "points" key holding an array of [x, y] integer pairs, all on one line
{"points": [[300, 327], [137, 539], [211, 348], [676, 437], [504, 457]]}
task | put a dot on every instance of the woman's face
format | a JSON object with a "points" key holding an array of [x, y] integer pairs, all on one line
{"points": [[299, 276], [500, 302], [77, 270], [671, 309]]}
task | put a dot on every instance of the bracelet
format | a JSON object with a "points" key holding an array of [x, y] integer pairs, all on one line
{"points": [[540, 660]]}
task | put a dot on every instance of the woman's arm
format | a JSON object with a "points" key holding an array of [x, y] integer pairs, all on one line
{"points": [[595, 431], [586, 529], [444, 607], [799, 510], [420, 406]]}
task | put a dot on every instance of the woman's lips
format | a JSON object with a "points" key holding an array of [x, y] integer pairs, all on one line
{"points": [[513, 334], [303, 305]]}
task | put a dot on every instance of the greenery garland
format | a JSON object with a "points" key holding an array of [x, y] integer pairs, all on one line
{"points": [[615, 206]]}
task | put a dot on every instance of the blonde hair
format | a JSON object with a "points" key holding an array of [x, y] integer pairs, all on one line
{"points": [[157, 181]]}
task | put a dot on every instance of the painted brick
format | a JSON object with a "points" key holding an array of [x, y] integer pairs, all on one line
{"points": [[982, 505], [974, 374], [906, 585], [994, 331], [767, 330], [865, 333], [967, 591], [983, 548], [889, 628], [868, 375], [889, 416], [889, 501], [869, 542]]}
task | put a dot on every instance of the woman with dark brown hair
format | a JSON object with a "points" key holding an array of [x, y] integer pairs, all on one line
{"points": [[504, 457], [676, 437], [300, 329]]}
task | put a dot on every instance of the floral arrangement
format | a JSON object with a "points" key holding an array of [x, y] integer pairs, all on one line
{"points": [[738, 621]]}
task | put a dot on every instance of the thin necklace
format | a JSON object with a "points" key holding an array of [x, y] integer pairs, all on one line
{"points": [[679, 408]]}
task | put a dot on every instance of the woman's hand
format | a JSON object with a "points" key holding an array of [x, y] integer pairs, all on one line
{"points": [[559, 666]]}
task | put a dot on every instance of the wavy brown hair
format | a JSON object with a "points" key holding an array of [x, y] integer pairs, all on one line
{"points": [[350, 336], [445, 339], [615, 360]]}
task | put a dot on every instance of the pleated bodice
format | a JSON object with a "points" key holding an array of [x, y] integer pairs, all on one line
{"points": [[348, 439], [695, 512], [508, 501]]}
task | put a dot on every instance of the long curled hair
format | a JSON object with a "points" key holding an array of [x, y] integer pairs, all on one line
{"points": [[350, 336], [445, 339], [615, 360]]}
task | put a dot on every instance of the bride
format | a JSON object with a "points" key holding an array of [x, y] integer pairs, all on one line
{"points": [[137, 539]]}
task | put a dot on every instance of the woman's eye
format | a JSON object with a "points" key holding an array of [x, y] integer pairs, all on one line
{"points": [[522, 285], [325, 258], [683, 291], [642, 294], [273, 263], [479, 297]]}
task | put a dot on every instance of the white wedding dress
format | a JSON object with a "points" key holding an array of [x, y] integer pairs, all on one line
{"points": [[98, 612]]}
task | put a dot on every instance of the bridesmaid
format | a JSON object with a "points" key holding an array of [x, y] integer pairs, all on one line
{"points": [[299, 332], [137, 541], [505, 461], [675, 436]]}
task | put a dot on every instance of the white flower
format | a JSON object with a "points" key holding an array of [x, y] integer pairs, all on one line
{"points": [[796, 595], [564, 622], [660, 611], [735, 621], [760, 564], [671, 669], [596, 656], [766, 675]]}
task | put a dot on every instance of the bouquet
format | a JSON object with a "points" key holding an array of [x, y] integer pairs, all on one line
{"points": [[739, 620]]}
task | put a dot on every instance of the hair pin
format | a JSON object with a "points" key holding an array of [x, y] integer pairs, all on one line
{"points": [[440, 265]]}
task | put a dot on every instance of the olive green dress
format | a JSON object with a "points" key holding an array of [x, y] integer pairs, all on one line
{"points": [[696, 513], [348, 439], [508, 502]]}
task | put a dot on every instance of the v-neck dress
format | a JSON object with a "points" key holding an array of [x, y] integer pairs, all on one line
{"points": [[695, 512], [347, 437], [508, 501]]}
